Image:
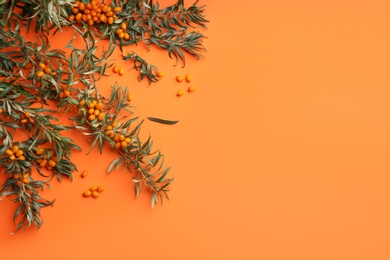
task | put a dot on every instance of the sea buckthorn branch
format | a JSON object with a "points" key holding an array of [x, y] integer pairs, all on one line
{"points": [[145, 69], [33, 74]]}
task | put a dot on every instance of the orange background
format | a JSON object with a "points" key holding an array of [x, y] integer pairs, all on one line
{"points": [[280, 153]]}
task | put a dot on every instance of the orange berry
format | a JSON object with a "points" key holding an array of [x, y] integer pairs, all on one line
{"points": [[81, 6], [119, 30], [121, 35], [93, 13], [19, 153], [111, 135], [160, 74], [116, 138], [84, 174], [101, 117], [95, 194], [180, 93], [123, 144], [100, 188], [78, 16], [93, 188], [109, 128], [84, 18], [88, 6], [9, 152], [99, 105], [121, 71], [130, 97], [87, 193], [91, 111], [43, 163], [75, 10], [12, 157], [61, 94], [16, 176], [117, 9], [110, 20], [23, 121], [71, 18], [123, 26], [188, 77], [40, 151], [82, 102], [31, 120], [22, 158], [128, 140], [54, 158], [49, 167], [19, 183], [27, 114], [117, 145], [114, 124], [52, 163], [15, 148], [67, 93], [96, 112], [91, 105], [91, 117], [39, 73], [26, 181], [121, 137], [191, 89], [179, 78], [115, 69], [41, 65], [127, 36]]}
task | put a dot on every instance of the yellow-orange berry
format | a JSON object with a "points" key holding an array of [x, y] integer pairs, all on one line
{"points": [[130, 97], [115, 69], [26, 181], [101, 117], [40, 151], [91, 111], [15, 148], [41, 65], [82, 102], [180, 93], [128, 140], [121, 71], [179, 78], [19, 153], [100, 188], [191, 89], [95, 194], [91, 117], [123, 26], [71, 18], [117, 145], [160, 74], [52, 163], [43, 163], [87, 193], [39, 73], [12, 157], [84, 174], [93, 188], [117, 9], [99, 106], [110, 20], [9, 152], [188, 77]]}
